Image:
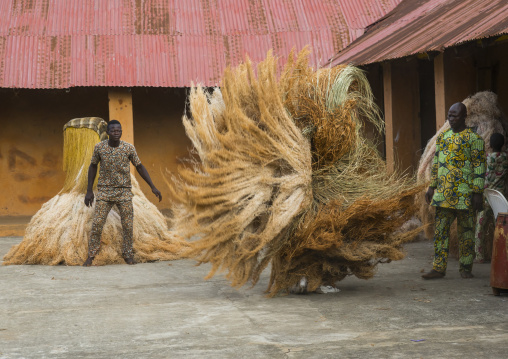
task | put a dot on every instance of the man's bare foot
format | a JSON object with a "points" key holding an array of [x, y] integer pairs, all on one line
{"points": [[466, 275], [88, 262], [129, 260], [433, 274]]}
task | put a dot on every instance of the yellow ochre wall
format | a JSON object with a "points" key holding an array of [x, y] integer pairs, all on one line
{"points": [[159, 136], [31, 139]]}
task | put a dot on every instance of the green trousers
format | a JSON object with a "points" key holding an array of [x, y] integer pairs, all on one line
{"points": [[465, 229]]}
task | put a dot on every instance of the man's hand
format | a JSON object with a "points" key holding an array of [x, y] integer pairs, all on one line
{"points": [[157, 193], [429, 194], [477, 201], [92, 172], [144, 174], [89, 197]]}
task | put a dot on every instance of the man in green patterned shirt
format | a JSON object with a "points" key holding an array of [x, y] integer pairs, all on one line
{"points": [[456, 190]]}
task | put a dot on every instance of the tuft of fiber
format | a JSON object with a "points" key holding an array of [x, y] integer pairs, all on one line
{"points": [[59, 232], [78, 143], [282, 173], [483, 114], [341, 241]]}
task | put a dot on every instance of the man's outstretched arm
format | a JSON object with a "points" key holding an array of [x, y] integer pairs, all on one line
{"points": [[92, 173], [144, 174]]}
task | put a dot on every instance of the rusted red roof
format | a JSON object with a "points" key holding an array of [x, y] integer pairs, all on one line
{"points": [[418, 26], [66, 43]]}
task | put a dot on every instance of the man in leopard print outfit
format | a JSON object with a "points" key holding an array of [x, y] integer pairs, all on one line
{"points": [[114, 188]]}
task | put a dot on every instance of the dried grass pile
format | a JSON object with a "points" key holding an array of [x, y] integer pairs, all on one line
{"points": [[484, 114], [281, 173], [58, 233]]}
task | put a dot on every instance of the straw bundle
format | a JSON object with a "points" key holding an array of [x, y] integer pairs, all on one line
{"points": [[58, 233], [283, 174], [483, 114], [253, 175], [77, 144], [339, 241]]}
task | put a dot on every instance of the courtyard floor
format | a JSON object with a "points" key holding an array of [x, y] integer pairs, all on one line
{"points": [[167, 310]]}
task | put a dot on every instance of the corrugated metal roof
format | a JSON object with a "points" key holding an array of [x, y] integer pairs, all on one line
{"points": [[66, 43], [417, 26]]}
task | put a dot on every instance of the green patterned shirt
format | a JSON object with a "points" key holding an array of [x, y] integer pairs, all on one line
{"points": [[497, 169], [458, 169]]}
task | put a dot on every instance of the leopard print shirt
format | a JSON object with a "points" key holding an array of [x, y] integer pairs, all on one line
{"points": [[114, 174]]}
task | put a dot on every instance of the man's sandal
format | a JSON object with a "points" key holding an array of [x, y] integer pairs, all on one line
{"points": [[129, 260], [433, 274], [466, 274]]}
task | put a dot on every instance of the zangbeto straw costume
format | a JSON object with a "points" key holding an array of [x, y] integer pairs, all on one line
{"points": [[60, 231], [283, 174], [458, 171]]}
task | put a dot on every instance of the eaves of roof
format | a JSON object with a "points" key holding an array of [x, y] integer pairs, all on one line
{"points": [[418, 26]]}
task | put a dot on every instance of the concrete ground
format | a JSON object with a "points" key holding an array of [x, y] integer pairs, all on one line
{"points": [[167, 310]]}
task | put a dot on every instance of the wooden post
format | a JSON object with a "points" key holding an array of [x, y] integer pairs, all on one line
{"points": [[120, 109], [402, 121], [388, 103], [439, 83]]}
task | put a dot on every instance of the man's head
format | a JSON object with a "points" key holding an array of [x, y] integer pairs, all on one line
{"points": [[114, 130], [497, 141], [457, 116]]}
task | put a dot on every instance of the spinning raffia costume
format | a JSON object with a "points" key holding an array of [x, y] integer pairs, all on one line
{"points": [[282, 174]]}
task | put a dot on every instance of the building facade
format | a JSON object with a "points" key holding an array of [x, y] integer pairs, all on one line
{"points": [[133, 62]]}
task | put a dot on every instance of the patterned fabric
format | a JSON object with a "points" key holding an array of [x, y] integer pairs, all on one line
{"points": [[102, 209], [458, 169], [114, 173], [497, 168], [479, 235], [114, 194], [95, 123], [444, 219]]}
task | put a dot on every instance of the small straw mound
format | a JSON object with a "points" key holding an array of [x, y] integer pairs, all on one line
{"points": [[282, 173], [58, 233], [483, 114]]}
